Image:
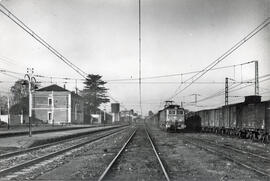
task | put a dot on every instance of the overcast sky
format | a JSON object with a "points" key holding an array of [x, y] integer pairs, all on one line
{"points": [[101, 37]]}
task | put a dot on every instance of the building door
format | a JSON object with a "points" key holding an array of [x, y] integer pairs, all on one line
{"points": [[50, 117]]}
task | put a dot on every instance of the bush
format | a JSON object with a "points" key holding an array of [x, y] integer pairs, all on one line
{"points": [[2, 123]]}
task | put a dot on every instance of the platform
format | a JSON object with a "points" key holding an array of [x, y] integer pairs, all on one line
{"points": [[43, 138], [24, 130]]}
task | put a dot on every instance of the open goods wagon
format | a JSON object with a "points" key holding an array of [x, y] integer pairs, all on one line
{"points": [[249, 119]]}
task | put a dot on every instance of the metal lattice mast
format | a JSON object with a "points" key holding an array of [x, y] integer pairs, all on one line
{"points": [[256, 78], [226, 91]]}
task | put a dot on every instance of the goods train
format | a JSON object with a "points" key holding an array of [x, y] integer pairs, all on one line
{"points": [[249, 119], [171, 117]]}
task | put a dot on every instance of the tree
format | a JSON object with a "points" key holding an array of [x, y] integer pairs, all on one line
{"points": [[21, 107], [19, 90], [3, 105], [94, 92], [20, 96]]}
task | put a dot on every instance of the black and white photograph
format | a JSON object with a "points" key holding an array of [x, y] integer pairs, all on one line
{"points": [[135, 90]]}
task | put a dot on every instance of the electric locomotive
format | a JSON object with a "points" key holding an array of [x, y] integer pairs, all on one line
{"points": [[172, 117]]}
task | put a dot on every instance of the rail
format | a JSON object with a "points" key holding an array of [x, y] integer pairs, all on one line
{"points": [[116, 157], [230, 158], [235, 149], [7, 155], [159, 160], [17, 167], [123, 148]]}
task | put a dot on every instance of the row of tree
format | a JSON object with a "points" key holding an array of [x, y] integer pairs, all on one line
{"points": [[94, 94]]}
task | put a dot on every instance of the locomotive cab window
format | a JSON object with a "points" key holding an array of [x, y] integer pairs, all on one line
{"points": [[171, 112], [180, 112]]}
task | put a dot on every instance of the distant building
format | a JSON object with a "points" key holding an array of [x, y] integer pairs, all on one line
{"points": [[115, 107], [126, 115], [56, 105], [101, 117]]}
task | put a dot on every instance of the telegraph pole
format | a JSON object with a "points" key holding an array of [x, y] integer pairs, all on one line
{"points": [[31, 79]]}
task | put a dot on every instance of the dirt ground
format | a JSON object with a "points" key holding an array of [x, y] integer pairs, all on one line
{"points": [[246, 144], [187, 162]]}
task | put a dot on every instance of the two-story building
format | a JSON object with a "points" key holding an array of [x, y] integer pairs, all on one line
{"points": [[56, 105]]}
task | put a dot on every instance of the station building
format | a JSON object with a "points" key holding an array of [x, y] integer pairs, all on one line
{"points": [[56, 105]]}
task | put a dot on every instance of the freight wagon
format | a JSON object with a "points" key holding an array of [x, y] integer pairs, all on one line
{"points": [[249, 119]]}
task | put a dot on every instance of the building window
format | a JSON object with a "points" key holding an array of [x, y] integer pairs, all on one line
{"points": [[50, 101], [49, 116]]}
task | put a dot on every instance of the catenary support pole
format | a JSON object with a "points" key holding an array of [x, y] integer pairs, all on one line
{"points": [[256, 78]]}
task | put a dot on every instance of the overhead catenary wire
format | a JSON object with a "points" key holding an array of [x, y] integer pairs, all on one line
{"points": [[223, 56], [155, 83], [114, 81], [10, 75], [11, 61], [232, 89], [175, 82], [235, 98], [6, 61], [22, 25], [177, 74], [17, 21], [7, 72]]}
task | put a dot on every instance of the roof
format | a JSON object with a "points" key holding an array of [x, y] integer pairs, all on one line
{"points": [[173, 106], [76, 95], [53, 87]]}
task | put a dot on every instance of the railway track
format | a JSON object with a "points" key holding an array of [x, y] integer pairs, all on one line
{"points": [[83, 135], [264, 156], [263, 148], [17, 161], [140, 154], [254, 162]]}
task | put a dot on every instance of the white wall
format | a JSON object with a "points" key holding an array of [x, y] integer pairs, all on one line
{"points": [[4, 118]]}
